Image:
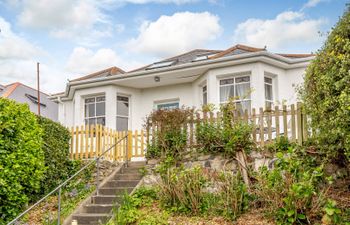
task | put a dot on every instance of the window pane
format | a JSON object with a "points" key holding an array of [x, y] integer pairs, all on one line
{"points": [[92, 121], [101, 120], [122, 108], [204, 88], [243, 91], [244, 105], [122, 123], [226, 92], [100, 109], [174, 105], [242, 79], [101, 99], [268, 80], [268, 105], [268, 92], [226, 81], [89, 100], [90, 110], [122, 98], [205, 98]]}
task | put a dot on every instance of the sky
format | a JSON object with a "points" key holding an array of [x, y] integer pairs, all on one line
{"points": [[71, 38]]}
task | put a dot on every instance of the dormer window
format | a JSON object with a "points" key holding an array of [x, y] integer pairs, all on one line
{"points": [[160, 65]]}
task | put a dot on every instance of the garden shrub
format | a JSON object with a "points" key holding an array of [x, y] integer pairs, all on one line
{"points": [[170, 137], [210, 137], [238, 138], [326, 93], [21, 158], [280, 144], [56, 150], [291, 191]]}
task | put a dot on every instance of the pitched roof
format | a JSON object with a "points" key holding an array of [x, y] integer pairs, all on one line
{"points": [[8, 89], [237, 49], [103, 73], [187, 57]]}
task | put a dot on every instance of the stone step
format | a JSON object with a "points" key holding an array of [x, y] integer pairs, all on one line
{"points": [[106, 199], [91, 218], [121, 183], [128, 176], [130, 170], [98, 208], [115, 190], [137, 164]]}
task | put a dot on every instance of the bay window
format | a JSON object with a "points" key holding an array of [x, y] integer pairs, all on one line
{"points": [[95, 110], [238, 89]]}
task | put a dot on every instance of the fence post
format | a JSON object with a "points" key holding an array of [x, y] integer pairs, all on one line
{"points": [[299, 124], [72, 143], [130, 144], [76, 153]]}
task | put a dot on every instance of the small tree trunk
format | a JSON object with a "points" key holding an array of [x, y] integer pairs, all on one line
{"points": [[242, 162]]}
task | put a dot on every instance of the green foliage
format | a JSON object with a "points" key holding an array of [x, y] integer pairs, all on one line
{"points": [[233, 194], [21, 158], [170, 136], [210, 137], [280, 144], [326, 93], [332, 213], [128, 212], [238, 138], [56, 149], [290, 192], [183, 190]]}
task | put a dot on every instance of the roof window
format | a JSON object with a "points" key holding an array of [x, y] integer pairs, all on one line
{"points": [[160, 65]]}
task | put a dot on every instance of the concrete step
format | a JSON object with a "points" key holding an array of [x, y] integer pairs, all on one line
{"points": [[107, 199], [91, 218], [121, 183], [115, 190], [128, 176], [130, 170], [98, 208], [137, 164]]}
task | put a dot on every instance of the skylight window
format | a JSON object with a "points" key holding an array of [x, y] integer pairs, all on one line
{"points": [[160, 65], [202, 57]]}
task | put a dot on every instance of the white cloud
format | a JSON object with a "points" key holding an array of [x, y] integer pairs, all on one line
{"points": [[311, 3], [175, 34], [80, 20], [13, 46], [287, 29], [83, 61]]}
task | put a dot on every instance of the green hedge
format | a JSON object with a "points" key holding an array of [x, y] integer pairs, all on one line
{"points": [[56, 149], [21, 158], [326, 93]]}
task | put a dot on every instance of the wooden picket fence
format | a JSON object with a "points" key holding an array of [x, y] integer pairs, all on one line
{"points": [[289, 121], [91, 141]]}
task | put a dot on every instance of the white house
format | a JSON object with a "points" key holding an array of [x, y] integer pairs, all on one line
{"points": [[121, 100]]}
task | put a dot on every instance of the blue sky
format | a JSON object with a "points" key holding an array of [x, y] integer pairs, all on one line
{"points": [[72, 38]]}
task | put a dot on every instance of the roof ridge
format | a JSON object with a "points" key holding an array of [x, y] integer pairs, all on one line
{"points": [[113, 69], [12, 88], [237, 46]]}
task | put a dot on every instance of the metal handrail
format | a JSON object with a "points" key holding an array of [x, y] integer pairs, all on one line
{"points": [[59, 187]]}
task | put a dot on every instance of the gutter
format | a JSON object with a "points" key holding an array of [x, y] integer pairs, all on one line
{"points": [[283, 61]]}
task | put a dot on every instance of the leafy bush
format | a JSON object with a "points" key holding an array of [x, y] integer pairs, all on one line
{"points": [[183, 190], [21, 158], [210, 137], [326, 93], [170, 136], [290, 192], [238, 138], [56, 149], [280, 144], [233, 194]]}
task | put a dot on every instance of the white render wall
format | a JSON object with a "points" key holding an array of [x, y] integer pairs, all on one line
{"points": [[142, 101]]}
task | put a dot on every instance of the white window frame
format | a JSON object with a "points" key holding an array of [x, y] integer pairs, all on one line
{"points": [[122, 116], [234, 77], [87, 119], [271, 101], [158, 103]]}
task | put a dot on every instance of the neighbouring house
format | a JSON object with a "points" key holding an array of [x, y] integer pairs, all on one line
{"points": [[121, 100], [24, 94]]}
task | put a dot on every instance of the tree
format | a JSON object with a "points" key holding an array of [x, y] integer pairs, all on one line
{"points": [[326, 93], [21, 158]]}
